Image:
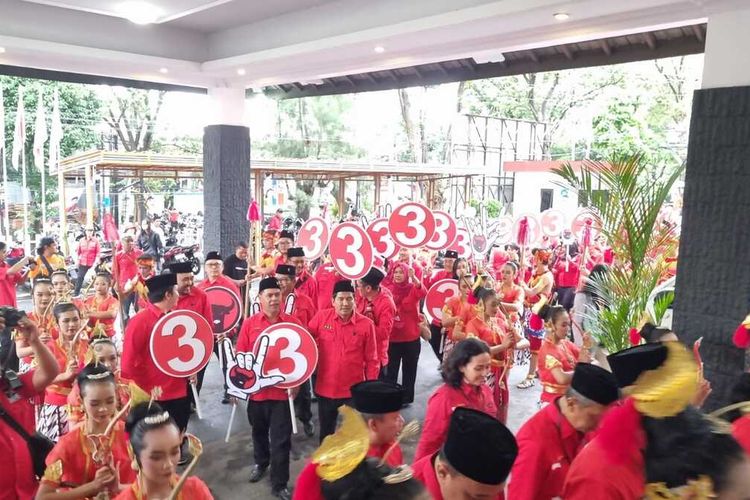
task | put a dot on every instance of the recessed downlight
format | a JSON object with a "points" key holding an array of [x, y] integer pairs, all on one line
{"points": [[163, 71], [241, 71], [2, 50], [379, 49], [561, 16]]}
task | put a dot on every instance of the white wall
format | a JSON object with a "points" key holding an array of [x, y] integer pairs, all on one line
{"points": [[527, 196], [727, 60]]}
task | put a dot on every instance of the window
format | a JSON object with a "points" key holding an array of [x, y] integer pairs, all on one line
{"points": [[547, 196]]}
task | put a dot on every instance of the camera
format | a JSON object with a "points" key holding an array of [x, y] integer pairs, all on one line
{"points": [[11, 315]]}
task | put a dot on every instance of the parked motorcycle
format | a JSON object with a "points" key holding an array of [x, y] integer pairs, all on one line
{"points": [[179, 253]]}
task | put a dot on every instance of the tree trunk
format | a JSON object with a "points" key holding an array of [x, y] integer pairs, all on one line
{"points": [[412, 134]]}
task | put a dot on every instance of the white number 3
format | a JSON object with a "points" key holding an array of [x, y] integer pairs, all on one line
{"points": [[188, 339]]}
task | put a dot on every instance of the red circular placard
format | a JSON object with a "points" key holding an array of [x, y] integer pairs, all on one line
{"points": [[382, 242], [438, 295], [181, 343], [351, 250], [292, 353], [535, 229], [226, 308], [579, 222], [462, 244], [445, 231], [411, 225], [553, 222], [313, 237]]}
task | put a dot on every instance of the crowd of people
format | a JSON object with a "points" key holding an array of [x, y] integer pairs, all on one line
{"points": [[86, 413]]}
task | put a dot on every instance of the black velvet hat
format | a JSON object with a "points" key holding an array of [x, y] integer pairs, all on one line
{"points": [[377, 397], [161, 282], [343, 286], [451, 254], [295, 252], [286, 270], [595, 383], [213, 256], [268, 283], [286, 234], [628, 365], [181, 267], [373, 277], [479, 447]]}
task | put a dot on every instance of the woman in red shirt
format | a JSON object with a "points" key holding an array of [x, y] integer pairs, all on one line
{"points": [[539, 288], [155, 440], [496, 331], [41, 296], [88, 253], [457, 311], [404, 345], [101, 308], [464, 372], [511, 295], [558, 355], [69, 349], [82, 464]]}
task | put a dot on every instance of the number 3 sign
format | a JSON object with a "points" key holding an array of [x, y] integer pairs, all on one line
{"points": [[351, 250], [181, 343], [382, 242], [313, 237], [411, 225]]}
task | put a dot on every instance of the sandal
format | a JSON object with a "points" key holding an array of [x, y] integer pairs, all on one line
{"points": [[526, 383]]}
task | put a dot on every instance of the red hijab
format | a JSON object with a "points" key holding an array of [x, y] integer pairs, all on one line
{"points": [[400, 290]]}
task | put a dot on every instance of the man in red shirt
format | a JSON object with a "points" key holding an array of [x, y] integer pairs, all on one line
{"points": [[306, 283], [474, 462], [285, 241], [268, 409], [376, 303], [275, 222], [567, 273], [214, 267], [10, 276], [325, 277], [347, 354], [380, 404], [125, 269], [302, 308], [137, 285], [137, 364], [193, 299], [550, 440], [17, 481]]}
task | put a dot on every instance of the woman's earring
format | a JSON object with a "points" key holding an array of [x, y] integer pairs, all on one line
{"points": [[134, 465]]}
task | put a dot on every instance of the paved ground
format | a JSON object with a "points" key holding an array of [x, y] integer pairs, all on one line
{"points": [[225, 467]]}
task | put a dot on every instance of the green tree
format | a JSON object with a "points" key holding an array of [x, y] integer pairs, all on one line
{"points": [[81, 114]]}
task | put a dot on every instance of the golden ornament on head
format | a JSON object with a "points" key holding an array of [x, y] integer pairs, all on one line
{"points": [[669, 389], [341, 452], [696, 489]]}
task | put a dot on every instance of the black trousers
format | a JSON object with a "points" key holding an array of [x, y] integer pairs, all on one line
{"points": [[404, 356], [565, 296], [130, 299], [202, 373], [179, 410], [436, 341], [272, 438], [328, 412], [82, 270], [303, 403]]}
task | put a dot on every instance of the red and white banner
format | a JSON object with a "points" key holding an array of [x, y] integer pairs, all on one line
{"points": [[351, 250], [462, 244], [583, 218], [382, 242], [437, 296], [553, 222], [181, 343], [445, 233], [226, 308], [534, 228], [313, 237], [411, 225]]}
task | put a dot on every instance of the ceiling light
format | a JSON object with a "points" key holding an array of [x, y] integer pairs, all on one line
{"points": [[379, 49], [241, 71], [488, 57], [139, 12], [561, 16], [2, 50], [163, 71]]}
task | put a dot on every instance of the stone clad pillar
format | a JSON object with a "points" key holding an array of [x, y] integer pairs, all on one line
{"points": [[226, 172], [713, 275]]}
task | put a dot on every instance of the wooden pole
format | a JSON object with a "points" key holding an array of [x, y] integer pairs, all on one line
{"points": [[377, 192], [89, 196], [26, 231], [62, 204], [342, 198]]}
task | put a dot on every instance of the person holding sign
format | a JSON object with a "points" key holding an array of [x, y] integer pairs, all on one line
{"points": [[301, 307], [306, 283], [268, 409], [192, 298], [380, 404], [377, 304], [436, 327], [139, 367], [347, 351]]}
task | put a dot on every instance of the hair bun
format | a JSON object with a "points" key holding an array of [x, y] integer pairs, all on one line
{"points": [[139, 412]]}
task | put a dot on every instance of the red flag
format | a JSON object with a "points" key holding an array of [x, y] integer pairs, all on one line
{"points": [[522, 238], [253, 213], [110, 228]]}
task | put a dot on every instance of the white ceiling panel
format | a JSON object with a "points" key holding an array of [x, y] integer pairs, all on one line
{"points": [[159, 10]]}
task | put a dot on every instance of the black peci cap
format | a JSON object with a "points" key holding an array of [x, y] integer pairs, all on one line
{"points": [[181, 268], [286, 270], [295, 252], [213, 256], [628, 365], [343, 286], [451, 254], [377, 397], [479, 447], [268, 283], [286, 234], [373, 277], [161, 282], [595, 383]]}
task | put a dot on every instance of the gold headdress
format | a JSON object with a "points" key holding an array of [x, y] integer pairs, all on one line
{"points": [[696, 489]]}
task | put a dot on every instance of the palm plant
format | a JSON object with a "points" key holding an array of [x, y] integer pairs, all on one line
{"points": [[625, 199]]}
